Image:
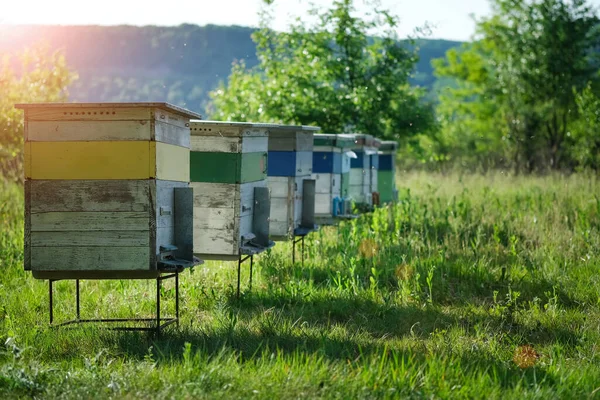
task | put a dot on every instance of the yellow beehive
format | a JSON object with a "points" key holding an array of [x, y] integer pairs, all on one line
{"points": [[100, 183]]}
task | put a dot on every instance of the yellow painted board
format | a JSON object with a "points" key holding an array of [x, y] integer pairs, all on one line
{"points": [[90, 160], [172, 162], [27, 157], [107, 160]]}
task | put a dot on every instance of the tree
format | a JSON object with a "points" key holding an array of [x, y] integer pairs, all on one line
{"points": [[527, 61], [31, 76], [329, 73]]}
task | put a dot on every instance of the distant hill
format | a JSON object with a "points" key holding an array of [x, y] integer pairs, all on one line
{"points": [[179, 64]]}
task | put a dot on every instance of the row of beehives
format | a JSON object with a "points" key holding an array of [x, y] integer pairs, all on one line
{"points": [[122, 190]]}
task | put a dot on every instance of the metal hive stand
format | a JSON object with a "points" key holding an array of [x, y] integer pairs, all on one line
{"points": [[299, 234], [169, 269], [247, 252]]}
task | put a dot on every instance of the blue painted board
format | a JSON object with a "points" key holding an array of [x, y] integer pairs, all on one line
{"points": [[327, 163], [359, 161], [386, 162], [282, 163]]}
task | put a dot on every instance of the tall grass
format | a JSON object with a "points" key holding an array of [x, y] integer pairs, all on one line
{"points": [[471, 287]]}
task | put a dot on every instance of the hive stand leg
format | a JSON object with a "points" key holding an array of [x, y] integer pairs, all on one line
{"points": [[50, 300], [302, 251], [251, 262], [177, 298], [238, 275], [157, 307], [77, 299], [293, 250]]}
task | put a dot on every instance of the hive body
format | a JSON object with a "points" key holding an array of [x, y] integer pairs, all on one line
{"points": [[331, 171], [227, 162], [99, 187], [360, 170], [387, 172], [290, 164]]}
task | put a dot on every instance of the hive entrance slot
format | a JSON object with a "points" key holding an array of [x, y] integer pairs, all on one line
{"points": [[155, 324]]}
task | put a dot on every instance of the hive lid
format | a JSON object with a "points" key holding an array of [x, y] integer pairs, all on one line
{"points": [[388, 145], [325, 139], [163, 106], [293, 128], [232, 124], [345, 140]]}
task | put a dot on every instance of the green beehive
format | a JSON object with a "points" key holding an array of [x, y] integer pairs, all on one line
{"points": [[228, 162]]}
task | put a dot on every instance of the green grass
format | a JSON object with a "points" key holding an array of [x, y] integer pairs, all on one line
{"points": [[430, 299]]}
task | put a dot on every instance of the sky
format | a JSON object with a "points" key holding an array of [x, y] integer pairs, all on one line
{"points": [[451, 18]]}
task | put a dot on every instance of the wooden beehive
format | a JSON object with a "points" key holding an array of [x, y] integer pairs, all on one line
{"points": [[331, 169], [228, 161], [375, 144], [360, 170], [386, 174], [100, 188], [290, 165]]}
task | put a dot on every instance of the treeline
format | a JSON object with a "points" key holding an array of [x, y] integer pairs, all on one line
{"points": [[179, 64], [522, 95]]}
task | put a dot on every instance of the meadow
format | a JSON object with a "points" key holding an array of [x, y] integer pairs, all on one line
{"points": [[470, 287]]}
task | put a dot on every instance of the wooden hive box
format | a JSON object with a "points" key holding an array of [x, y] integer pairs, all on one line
{"points": [[100, 188], [331, 169], [228, 161], [290, 169], [360, 170], [386, 175]]}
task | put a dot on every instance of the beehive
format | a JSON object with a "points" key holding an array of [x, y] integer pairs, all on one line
{"points": [[387, 172], [375, 144], [360, 170], [228, 161], [290, 170], [100, 188], [331, 169]]}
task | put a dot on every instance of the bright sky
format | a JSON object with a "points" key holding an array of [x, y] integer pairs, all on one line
{"points": [[451, 18]]}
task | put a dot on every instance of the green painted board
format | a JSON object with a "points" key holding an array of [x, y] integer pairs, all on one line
{"points": [[386, 186], [345, 184], [227, 167]]}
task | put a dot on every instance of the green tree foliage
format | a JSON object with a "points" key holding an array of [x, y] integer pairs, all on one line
{"points": [[330, 73], [34, 75], [586, 131], [514, 100]]}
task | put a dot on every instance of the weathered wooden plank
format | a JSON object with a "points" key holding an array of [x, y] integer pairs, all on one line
{"points": [[323, 203], [280, 185], [165, 200], [172, 162], [245, 226], [357, 176], [215, 242], [58, 131], [280, 230], [216, 144], [88, 221], [198, 128], [90, 196], [89, 113], [89, 238], [290, 141], [172, 134], [82, 258], [246, 193], [216, 195], [27, 223], [152, 225], [255, 144], [91, 160], [215, 218]]}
